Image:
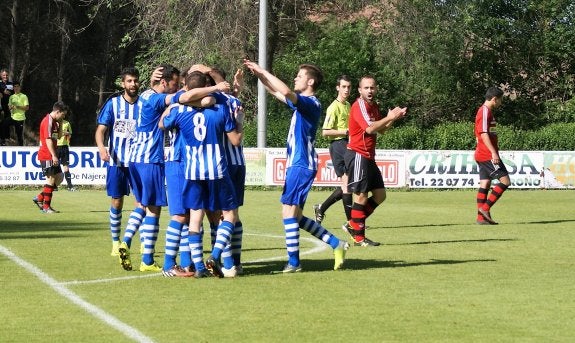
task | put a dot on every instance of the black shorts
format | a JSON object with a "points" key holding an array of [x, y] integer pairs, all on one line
{"points": [[363, 173], [49, 169], [63, 152], [490, 171], [337, 151]]}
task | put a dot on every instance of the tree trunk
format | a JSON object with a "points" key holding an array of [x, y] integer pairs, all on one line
{"points": [[14, 27], [63, 49]]}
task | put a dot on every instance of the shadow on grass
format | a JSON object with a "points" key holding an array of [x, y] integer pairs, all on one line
{"points": [[39, 227], [558, 221], [274, 267], [375, 227], [460, 241]]}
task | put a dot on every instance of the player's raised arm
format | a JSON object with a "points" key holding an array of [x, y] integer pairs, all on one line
{"points": [[275, 86]]}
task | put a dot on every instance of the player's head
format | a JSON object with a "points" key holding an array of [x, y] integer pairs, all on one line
{"points": [[367, 88], [494, 96], [130, 81], [309, 76], [59, 110], [196, 79], [17, 87], [170, 79], [343, 87]]}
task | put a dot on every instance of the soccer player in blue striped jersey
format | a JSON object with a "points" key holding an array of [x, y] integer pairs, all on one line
{"points": [[237, 169], [301, 166], [208, 184], [177, 231], [118, 118]]}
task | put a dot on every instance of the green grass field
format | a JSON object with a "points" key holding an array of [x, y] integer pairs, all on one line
{"points": [[437, 277]]}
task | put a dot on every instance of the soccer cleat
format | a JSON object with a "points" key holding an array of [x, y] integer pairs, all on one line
{"points": [[190, 269], [49, 210], [214, 267], [484, 222], [487, 216], [319, 215], [339, 254], [150, 267], [291, 269], [72, 189], [239, 269], [115, 247], [366, 242], [38, 203], [177, 271], [202, 274], [124, 256], [232, 272], [348, 229]]}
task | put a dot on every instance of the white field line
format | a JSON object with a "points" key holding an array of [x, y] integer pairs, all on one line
{"points": [[318, 246], [95, 311]]}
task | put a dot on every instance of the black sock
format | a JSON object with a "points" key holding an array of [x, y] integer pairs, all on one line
{"points": [[347, 199], [68, 177], [334, 197]]}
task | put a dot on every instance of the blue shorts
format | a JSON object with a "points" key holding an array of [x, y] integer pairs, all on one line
{"points": [[297, 186], [117, 181], [210, 194], [147, 180], [238, 176], [175, 184]]}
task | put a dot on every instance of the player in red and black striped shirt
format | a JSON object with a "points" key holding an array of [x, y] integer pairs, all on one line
{"points": [[49, 133], [487, 157]]}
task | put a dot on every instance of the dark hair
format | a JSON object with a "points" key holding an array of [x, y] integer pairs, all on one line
{"points": [[168, 72], [129, 71], [313, 72], [196, 79], [15, 83], [60, 107], [493, 92], [219, 72], [343, 77]]}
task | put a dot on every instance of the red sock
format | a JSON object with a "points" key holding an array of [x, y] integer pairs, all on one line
{"points": [[47, 193], [495, 194], [357, 221]]}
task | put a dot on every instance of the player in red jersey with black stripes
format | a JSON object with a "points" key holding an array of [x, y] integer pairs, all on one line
{"points": [[49, 133], [487, 157], [365, 122]]}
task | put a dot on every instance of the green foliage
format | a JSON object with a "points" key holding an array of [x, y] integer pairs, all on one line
{"points": [[556, 136], [408, 137]]}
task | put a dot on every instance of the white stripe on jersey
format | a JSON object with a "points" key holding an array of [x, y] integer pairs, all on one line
{"points": [[203, 165], [484, 122], [363, 111], [122, 133]]}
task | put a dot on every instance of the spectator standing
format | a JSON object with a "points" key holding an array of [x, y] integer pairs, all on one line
{"points": [[6, 90], [18, 105]]}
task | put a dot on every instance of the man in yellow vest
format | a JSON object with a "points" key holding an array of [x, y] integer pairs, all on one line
{"points": [[18, 104]]}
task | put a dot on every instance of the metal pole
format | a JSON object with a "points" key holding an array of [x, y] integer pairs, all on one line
{"points": [[262, 61]]}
